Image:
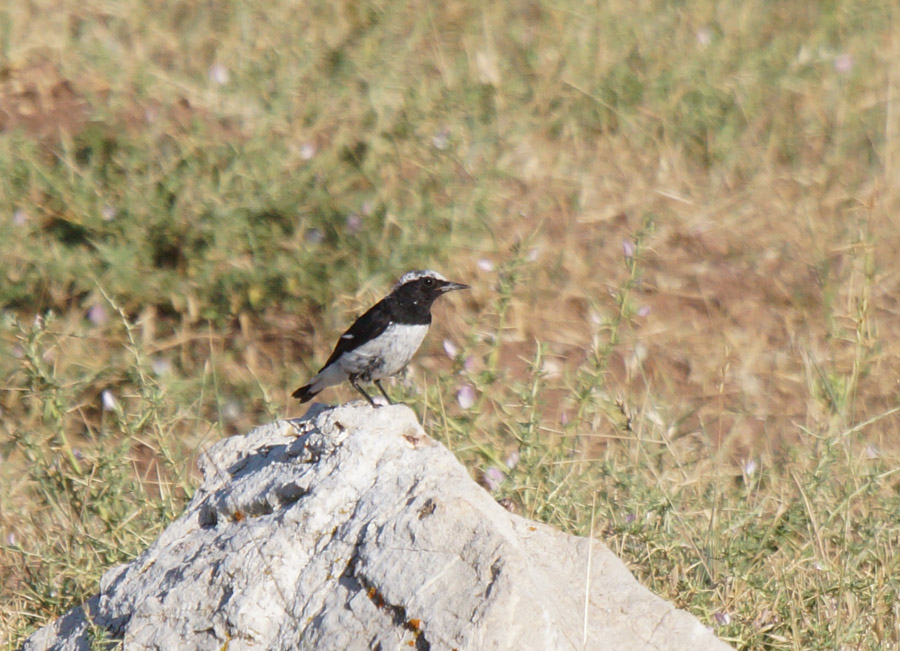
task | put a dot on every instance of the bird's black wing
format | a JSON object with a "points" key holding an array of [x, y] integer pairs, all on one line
{"points": [[365, 328]]}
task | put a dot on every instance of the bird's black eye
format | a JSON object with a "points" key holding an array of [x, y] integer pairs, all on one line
{"points": [[429, 282]]}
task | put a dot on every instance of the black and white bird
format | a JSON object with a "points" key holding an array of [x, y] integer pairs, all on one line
{"points": [[383, 340]]}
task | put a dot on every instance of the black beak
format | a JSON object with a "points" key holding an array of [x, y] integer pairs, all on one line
{"points": [[449, 287]]}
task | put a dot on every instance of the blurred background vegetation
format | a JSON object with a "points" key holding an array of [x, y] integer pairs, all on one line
{"points": [[680, 221]]}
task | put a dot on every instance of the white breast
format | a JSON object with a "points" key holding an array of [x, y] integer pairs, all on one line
{"points": [[387, 354]]}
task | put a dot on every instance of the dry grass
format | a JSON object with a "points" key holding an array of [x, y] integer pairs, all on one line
{"points": [[679, 224]]}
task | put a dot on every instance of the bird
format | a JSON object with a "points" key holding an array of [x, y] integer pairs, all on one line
{"points": [[384, 339]]}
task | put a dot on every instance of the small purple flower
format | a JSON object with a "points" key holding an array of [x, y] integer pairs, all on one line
{"points": [[314, 236], [11, 539], [161, 366], [218, 74], [97, 314], [307, 150], [492, 478], [441, 140], [512, 459], [750, 467], [469, 364], [704, 36], [354, 223], [108, 213], [628, 249], [564, 418], [629, 518], [485, 265], [451, 349], [20, 217], [722, 619], [466, 396], [643, 311], [843, 63]]}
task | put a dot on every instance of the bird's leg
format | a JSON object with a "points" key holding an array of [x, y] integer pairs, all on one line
{"points": [[360, 389], [383, 392]]}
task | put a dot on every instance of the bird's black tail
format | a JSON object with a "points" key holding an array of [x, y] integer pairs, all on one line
{"points": [[305, 393]]}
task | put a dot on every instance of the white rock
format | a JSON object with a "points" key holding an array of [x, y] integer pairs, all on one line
{"points": [[352, 529]]}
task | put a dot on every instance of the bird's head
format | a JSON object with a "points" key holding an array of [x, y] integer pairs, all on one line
{"points": [[424, 286]]}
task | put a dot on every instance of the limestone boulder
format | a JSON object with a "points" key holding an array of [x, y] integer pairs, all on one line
{"points": [[352, 529]]}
